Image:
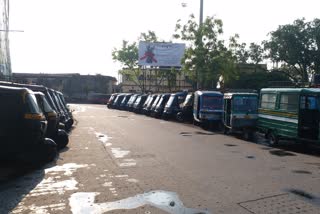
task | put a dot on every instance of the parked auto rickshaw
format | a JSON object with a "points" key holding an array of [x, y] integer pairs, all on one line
{"points": [[65, 110], [157, 112], [240, 113], [65, 119], [59, 136], [208, 108], [137, 106], [145, 104], [23, 127], [131, 102], [117, 101], [63, 101], [186, 109], [125, 101], [47, 92], [147, 109], [111, 100], [154, 104], [172, 107]]}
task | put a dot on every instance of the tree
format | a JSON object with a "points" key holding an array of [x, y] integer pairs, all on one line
{"points": [[256, 53], [128, 57], [257, 80], [239, 51], [206, 58], [296, 47]]}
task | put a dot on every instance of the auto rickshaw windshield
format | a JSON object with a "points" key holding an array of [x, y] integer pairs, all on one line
{"points": [[46, 105], [212, 102], [170, 101], [31, 103], [245, 104], [188, 100]]}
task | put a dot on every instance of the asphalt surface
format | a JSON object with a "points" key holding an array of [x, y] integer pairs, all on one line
{"points": [[121, 162]]}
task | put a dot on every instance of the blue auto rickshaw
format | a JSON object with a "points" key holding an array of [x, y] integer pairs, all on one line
{"points": [[208, 108], [240, 113]]}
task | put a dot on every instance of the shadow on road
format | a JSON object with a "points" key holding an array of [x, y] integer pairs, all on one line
{"points": [[285, 147], [17, 180]]}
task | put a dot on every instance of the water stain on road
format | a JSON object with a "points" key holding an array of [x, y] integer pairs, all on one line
{"points": [[250, 157], [302, 193], [301, 172], [83, 202], [230, 145]]}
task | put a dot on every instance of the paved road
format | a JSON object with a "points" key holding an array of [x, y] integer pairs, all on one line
{"points": [[120, 162]]}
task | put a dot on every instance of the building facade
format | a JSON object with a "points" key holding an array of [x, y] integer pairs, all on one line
{"points": [[75, 87], [151, 81]]}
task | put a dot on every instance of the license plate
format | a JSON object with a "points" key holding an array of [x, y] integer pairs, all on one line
{"points": [[247, 117]]}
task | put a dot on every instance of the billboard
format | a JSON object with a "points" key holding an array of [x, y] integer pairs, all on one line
{"points": [[161, 54]]}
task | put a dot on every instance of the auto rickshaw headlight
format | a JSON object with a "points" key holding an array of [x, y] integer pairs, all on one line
{"points": [[52, 115], [34, 116]]}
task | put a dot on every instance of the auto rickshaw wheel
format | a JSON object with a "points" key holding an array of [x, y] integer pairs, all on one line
{"points": [[273, 140], [180, 117], [61, 139], [247, 135], [225, 130]]}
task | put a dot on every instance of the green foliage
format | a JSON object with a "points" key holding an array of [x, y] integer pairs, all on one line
{"points": [[256, 80], [296, 47], [127, 55], [256, 53], [149, 37], [239, 51], [206, 57]]}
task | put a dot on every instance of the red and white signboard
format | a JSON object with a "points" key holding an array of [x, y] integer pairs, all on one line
{"points": [[161, 54]]}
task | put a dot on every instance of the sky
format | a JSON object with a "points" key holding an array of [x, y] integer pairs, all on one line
{"points": [[78, 36]]}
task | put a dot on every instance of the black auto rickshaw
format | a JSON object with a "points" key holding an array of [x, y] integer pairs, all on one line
{"points": [[65, 110], [64, 116], [63, 101], [172, 107], [137, 106], [111, 100], [186, 109], [117, 101], [47, 92], [152, 100], [157, 113], [131, 102], [125, 101], [59, 136], [145, 104], [23, 127]]}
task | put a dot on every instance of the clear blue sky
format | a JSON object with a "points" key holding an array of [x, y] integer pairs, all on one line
{"points": [[67, 36]]}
